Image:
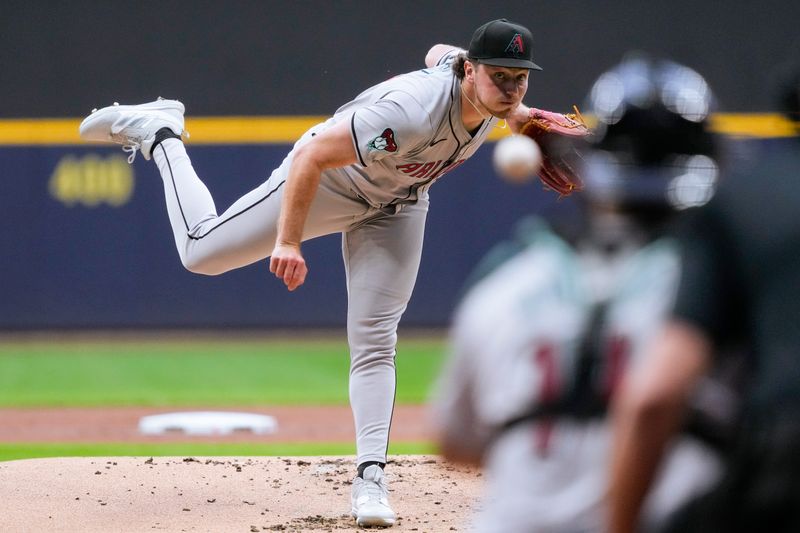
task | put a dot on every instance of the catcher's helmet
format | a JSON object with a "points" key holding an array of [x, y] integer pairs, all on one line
{"points": [[652, 148]]}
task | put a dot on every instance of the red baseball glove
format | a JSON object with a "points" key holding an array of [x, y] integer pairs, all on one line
{"points": [[555, 134]]}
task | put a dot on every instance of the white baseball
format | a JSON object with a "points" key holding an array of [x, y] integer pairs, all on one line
{"points": [[517, 158]]}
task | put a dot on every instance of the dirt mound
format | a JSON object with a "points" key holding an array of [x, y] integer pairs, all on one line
{"points": [[248, 494]]}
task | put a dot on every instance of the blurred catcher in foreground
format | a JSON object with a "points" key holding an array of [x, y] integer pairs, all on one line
{"points": [[557, 316], [741, 285]]}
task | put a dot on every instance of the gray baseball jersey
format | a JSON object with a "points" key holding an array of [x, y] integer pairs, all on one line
{"points": [[516, 343], [407, 132]]}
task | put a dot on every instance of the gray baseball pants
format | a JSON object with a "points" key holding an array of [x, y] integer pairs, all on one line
{"points": [[381, 251]]}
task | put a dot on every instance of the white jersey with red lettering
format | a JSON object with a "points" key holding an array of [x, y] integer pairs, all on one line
{"points": [[516, 344]]}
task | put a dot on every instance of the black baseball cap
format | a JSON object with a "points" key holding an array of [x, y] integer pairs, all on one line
{"points": [[503, 44]]}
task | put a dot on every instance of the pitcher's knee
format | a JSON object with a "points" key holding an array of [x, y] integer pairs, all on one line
{"points": [[372, 359], [202, 265]]}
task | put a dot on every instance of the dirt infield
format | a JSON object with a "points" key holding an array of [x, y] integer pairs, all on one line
{"points": [[290, 494], [295, 424]]}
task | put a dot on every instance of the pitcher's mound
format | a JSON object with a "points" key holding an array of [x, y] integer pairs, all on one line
{"points": [[246, 494]]}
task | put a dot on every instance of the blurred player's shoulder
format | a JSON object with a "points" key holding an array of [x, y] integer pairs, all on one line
{"points": [[528, 232], [515, 278]]}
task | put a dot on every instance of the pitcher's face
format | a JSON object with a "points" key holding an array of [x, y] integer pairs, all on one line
{"points": [[500, 89]]}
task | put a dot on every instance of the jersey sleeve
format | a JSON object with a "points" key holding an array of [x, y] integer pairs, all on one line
{"points": [[448, 57], [395, 125]]}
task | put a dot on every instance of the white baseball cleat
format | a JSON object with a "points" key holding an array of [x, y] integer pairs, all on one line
{"points": [[134, 126], [370, 499]]}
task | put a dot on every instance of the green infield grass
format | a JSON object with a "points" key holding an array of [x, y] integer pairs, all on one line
{"points": [[197, 373], [11, 452]]}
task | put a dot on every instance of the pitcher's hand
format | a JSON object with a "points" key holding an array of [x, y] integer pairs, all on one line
{"points": [[287, 263]]}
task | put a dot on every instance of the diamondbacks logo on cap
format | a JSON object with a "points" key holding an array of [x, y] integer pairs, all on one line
{"points": [[384, 141], [516, 46]]}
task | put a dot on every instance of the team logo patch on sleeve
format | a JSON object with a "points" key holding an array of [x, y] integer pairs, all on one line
{"points": [[385, 141]]}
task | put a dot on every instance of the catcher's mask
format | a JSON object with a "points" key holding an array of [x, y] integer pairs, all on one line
{"points": [[652, 150]]}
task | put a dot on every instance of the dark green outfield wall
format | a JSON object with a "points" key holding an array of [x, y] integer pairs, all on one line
{"points": [[61, 58], [84, 252]]}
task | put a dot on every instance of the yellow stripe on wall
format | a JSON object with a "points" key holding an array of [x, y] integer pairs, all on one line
{"points": [[38, 131], [249, 130], [203, 130], [282, 130], [753, 125]]}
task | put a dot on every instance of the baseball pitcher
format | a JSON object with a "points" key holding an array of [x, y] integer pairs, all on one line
{"points": [[364, 173]]}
